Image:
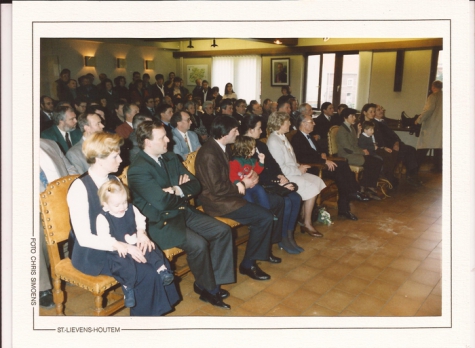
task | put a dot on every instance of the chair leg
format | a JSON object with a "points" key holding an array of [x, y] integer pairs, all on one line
{"points": [[98, 300], [58, 296]]}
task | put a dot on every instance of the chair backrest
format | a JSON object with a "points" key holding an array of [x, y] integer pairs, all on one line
{"points": [[264, 140], [55, 214], [291, 134], [123, 176], [189, 163], [332, 145]]}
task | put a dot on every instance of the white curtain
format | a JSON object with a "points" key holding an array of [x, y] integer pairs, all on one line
{"points": [[244, 72]]}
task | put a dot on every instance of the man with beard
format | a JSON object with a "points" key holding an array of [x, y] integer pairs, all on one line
{"points": [[64, 131]]}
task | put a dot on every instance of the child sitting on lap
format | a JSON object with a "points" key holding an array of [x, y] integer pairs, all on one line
{"points": [[366, 139], [242, 164], [120, 219]]}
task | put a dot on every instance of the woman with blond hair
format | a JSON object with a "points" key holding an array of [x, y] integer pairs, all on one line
{"points": [[89, 255], [309, 185]]}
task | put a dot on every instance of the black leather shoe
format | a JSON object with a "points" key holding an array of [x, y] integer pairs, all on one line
{"points": [[348, 214], [358, 196], [215, 300], [221, 293], [46, 299], [254, 272], [274, 259]]}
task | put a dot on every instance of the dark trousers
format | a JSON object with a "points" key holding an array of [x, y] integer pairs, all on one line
{"points": [[408, 155], [257, 195], [260, 221], [209, 250], [291, 212], [344, 180], [389, 162], [372, 168]]}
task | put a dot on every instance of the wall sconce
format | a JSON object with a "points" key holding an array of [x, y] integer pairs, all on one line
{"points": [[214, 43], [149, 64], [90, 61], [120, 63]]}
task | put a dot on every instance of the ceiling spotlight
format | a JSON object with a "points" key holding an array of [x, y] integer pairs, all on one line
{"points": [[326, 39], [214, 43], [277, 42], [190, 45]]}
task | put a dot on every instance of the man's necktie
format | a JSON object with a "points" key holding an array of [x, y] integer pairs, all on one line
{"points": [[68, 142], [161, 163], [311, 142], [187, 144]]}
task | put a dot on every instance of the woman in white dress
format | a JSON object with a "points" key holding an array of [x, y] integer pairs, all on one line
{"points": [[309, 185], [229, 92]]}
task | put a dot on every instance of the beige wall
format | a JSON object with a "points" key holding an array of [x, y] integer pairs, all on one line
{"points": [[296, 78], [70, 54], [414, 84]]}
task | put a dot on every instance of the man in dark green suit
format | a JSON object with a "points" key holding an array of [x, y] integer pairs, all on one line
{"points": [[161, 187], [64, 131]]}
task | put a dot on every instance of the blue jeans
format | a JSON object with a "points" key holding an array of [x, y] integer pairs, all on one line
{"points": [[257, 195], [291, 212]]}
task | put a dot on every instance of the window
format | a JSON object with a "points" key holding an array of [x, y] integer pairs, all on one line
{"points": [[440, 72], [351, 65], [313, 83], [332, 77], [244, 72]]}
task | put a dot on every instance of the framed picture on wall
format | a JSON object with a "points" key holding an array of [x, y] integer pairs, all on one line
{"points": [[280, 72], [194, 72]]}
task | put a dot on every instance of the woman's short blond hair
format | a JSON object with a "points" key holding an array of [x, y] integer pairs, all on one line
{"points": [[111, 187], [101, 145], [276, 120]]}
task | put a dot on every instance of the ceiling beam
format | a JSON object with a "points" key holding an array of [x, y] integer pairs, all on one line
{"points": [[435, 43]]}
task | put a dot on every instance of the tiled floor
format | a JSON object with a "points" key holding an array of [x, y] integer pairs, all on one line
{"points": [[386, 264]]}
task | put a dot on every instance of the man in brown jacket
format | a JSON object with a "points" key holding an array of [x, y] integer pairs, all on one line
{"points": [[220, 197]]}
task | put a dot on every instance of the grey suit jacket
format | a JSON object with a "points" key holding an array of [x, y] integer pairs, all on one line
{"points": [[77, 158], [348, 145], [63, 166], [180, 147]]}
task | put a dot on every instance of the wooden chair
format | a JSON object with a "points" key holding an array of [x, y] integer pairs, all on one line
{"points": [[123, 176], [55, 218], [333, 151]]}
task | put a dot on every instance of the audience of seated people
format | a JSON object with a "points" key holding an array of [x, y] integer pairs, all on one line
{"points": [[172, 120]]}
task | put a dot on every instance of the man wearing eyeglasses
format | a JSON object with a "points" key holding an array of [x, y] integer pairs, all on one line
{"points": [[307, 150], [185, 140]]}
